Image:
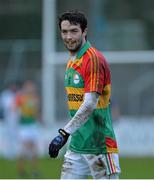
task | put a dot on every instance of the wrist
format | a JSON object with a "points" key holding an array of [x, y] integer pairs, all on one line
{"points": [[64, 133]]}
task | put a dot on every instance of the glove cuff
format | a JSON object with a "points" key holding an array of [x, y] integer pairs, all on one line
{"points": [[63, 133]]}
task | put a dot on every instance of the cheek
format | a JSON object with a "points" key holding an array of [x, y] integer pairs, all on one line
{"points": [[77, 38], [63, 38]]}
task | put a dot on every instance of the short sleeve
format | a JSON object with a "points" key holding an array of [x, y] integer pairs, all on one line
{"points": [[94, 75]]}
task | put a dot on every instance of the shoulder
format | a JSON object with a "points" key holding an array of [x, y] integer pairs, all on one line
{"points": [[93, 54]]}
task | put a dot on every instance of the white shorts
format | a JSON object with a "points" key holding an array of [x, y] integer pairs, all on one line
{"points": [[81, 166], [28, 133]]}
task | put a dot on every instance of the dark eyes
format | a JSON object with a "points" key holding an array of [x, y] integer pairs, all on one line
{"points": [[71, 31], [74, 30], [64, 32]]}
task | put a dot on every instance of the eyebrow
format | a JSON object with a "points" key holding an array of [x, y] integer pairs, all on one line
{"points": [[71, 29]]}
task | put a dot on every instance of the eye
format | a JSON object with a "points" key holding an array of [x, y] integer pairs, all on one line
{"points": [[74, 30], [63, 31]]}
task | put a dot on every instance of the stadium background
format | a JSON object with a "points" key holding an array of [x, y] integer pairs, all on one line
{"points": [[30, 48]]}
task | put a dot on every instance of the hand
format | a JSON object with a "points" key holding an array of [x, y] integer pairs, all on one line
{"points": [[57, 143]]}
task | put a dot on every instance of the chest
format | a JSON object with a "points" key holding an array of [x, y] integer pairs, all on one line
{"points": [[73, 78]]}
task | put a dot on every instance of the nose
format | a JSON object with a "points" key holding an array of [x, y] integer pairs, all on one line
{"points": [[69, 36]]}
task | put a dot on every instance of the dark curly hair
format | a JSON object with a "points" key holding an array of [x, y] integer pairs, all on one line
{"points": [[74, 17]]}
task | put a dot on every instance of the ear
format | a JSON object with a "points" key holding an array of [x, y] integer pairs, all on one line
{"points": [[85, 32]]}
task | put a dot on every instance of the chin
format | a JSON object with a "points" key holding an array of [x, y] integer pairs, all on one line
{"points": [[72, 49]]}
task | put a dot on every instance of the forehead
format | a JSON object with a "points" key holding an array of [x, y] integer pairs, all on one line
{"points": [[67, 25]]}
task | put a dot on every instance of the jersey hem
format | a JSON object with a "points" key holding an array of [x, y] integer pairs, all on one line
{"points": [[92, 151]]}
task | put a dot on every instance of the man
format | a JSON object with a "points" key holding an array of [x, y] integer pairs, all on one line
{"points": [[93, 149], [10, 115], [28, 102]]}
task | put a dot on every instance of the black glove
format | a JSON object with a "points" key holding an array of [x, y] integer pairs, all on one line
{"points": [[57, 143]]}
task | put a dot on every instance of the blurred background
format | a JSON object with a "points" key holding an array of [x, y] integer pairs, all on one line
{"points": [[31, 51]]}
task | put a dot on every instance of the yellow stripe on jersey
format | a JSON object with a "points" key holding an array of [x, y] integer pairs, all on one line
{"points": [[72, 90], [90, 70], [96, 69], [77, 62], [112, 150], [94, 65], [69, 64], [75, 97], [103, 101]]}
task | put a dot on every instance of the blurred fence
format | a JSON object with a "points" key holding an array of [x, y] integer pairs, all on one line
{"points": [[132, 75], [19, 60], [135, 138]]}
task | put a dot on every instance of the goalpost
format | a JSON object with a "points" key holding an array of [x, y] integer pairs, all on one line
{"points": [[48, 51]]}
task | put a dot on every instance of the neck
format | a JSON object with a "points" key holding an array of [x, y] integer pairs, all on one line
{"points": [[72, 57], [72, 53]]}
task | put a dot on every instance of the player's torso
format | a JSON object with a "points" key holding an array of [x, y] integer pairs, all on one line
{"points": [[74, 84], [28, 106], [96, 135], [97, 131]]}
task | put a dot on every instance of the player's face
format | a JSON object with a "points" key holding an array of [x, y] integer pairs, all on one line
{"points": [[72, 36]]}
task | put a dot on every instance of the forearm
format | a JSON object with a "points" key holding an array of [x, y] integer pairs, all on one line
{"points": [[81, 116]]}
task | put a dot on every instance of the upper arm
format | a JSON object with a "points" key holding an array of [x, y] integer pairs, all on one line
{"points": [[94, 75]]}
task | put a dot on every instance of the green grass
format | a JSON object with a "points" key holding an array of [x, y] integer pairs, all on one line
{"points": [[137, 168], [132, 168], [48, 168]]}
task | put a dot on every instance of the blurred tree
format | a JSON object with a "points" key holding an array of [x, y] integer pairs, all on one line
{"points": [[20, 19]]}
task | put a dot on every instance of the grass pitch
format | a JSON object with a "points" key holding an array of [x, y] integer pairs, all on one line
{"points": [[132, 168]]}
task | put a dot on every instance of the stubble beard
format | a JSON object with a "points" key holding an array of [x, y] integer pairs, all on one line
{"points": [[75, 49]]}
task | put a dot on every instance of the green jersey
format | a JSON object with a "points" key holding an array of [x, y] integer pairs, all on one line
{"points": [[89, 72]]}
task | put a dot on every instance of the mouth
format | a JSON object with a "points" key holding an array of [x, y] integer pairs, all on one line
{"points": [[70, 43]]}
